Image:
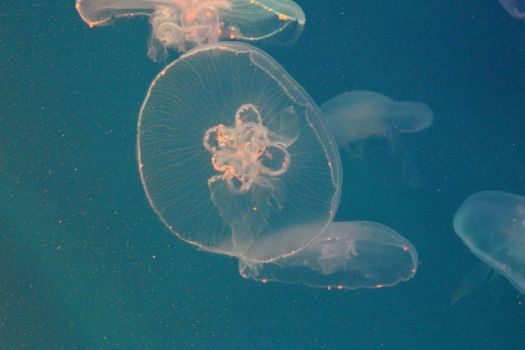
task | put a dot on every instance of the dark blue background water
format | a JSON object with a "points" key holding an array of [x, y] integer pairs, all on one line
{"points": [[85, 263]]}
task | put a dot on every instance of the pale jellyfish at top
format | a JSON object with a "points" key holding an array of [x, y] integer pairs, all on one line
{"points": [[359, 115], [182, 24], [492, 225], [235, 159], [516, 8]]}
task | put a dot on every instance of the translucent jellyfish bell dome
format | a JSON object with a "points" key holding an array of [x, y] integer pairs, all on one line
{"points": [[359, 115], [347, 255], [182, 24], [233, 153], [492, 226]]}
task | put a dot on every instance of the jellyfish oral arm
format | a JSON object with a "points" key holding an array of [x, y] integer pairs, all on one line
{"points": [[515, 8], [245, 155]]}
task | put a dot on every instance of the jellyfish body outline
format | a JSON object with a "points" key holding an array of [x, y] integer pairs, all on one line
{"points": [[358, 115], [294, 126], [348, 255], [492, 226], [231, 140], [183, 24]]}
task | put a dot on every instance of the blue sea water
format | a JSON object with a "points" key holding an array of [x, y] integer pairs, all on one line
{"points": [[86, 264]]}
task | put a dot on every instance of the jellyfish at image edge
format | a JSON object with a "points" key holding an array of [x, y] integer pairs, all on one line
{"points": [[235, 159], [182, 24], [348, 255], [359, 115], [232, 151], [515, 8], [492, 226]]}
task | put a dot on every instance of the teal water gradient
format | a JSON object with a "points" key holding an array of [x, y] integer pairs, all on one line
{"points": [[85, 263]]}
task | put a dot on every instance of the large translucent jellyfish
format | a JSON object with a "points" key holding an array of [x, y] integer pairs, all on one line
{"points": [[232, 151], [516, 8], [183, 24], [359, 115], [348, 255], [492, 225], [235, 159]]}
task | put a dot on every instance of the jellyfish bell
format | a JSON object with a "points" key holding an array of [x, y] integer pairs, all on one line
{"points": [[362, 120], [359, 115], [182, 24], [236, 159], [492, 226], [232, 152], [348, 255]]}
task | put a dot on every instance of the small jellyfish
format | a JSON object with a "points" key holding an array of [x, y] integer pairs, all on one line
{"points": [[232, 151], [359, 115], [348, 255], [182, 24], [492, 225], [515, 8], [359, 118]]}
